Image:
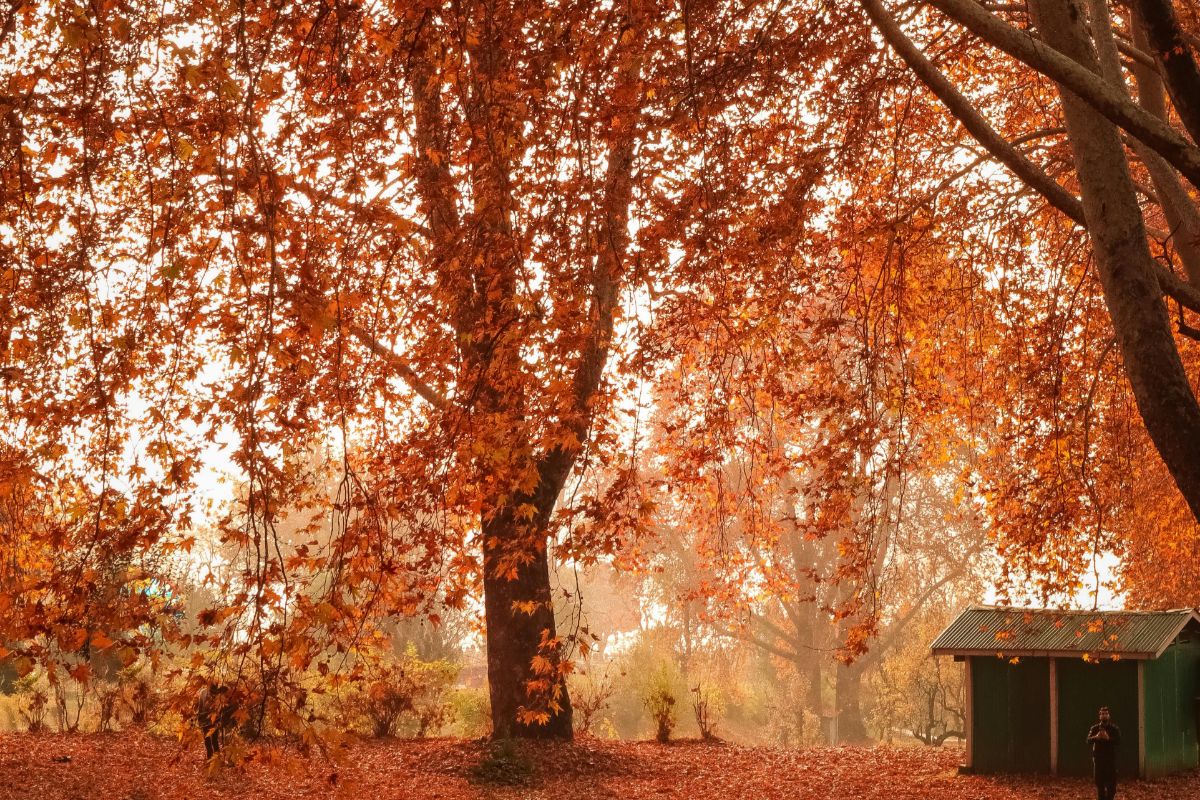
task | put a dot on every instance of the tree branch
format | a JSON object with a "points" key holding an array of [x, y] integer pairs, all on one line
{"points": [[962, 108], [1153, 366], [306, 300], [793, 640], [741, 636], [966, 169], [1177, 288], [400, 366], [608, 270], [1164, 37], [435, 183], [1000, 148], [898, 628], [1180, 211], [1105, 98], [1135, 54]]}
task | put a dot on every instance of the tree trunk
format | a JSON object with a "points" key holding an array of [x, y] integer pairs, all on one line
{"points": [[813, 668], [1152, 364], [1164, 36], [528, 695], [851, 729], [515, 637], [814, 700]]}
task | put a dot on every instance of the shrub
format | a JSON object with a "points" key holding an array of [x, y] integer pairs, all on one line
{"points": [[792, 723], [68, 701], [139, 697], [408, 694], [707, 707], [590, 696], [659, 700], [34, 703], [470, 711], [108, 696], [430, 683], [386, 698]]}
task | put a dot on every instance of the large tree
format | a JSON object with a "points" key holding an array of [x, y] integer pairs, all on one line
{"points": [[408, 233]]}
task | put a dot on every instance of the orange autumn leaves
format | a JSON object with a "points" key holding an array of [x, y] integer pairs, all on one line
{"points": [[411, 270], [445, 769]]}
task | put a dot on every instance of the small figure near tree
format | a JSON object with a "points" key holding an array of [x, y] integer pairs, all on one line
{"points": [[214, 714], [1104, 737]]}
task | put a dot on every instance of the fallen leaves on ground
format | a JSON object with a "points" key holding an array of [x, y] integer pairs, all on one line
{"points": [[134, 766]]}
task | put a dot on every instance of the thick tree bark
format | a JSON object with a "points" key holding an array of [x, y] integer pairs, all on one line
{"points": [[520, 623], [1165, 39], [1178, 208], [1160, 385], [814, 699]]}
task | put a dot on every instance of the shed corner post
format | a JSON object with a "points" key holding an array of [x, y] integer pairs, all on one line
{"points": [[1141, 712], [1053, 716], [970, 715]]}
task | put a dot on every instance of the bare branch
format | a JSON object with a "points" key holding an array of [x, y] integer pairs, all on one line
{"points": [[1177, 288], [400, 366], [1134, 53], [1187, 330]]}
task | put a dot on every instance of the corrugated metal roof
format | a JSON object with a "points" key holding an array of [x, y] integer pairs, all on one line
{"points": [[982, 630]]}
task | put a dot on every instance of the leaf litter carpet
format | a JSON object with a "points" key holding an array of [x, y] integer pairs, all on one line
{"points": [[134, 766]]}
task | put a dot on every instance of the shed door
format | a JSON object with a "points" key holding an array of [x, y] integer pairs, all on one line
{"points": [[1082, 688], [1011, 714]]}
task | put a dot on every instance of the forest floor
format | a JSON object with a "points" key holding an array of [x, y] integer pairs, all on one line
{"points": [[138, 767]]}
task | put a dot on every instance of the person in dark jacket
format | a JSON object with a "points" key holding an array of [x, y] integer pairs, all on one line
{"points": [[1104, 737], [214, 713]]}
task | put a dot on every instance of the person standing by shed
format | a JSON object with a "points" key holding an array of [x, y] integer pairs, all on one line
{"points": [[1104, 737]]}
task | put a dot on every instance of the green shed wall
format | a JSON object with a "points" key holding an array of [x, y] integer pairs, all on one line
{"points": [[1083, 687], [1010, 719], [1172, 683]]}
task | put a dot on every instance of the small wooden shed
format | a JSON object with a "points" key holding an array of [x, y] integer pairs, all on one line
{"points": [[1036, 677]]}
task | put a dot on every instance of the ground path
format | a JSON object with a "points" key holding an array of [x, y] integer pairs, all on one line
{"points": [[139, 767]]}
